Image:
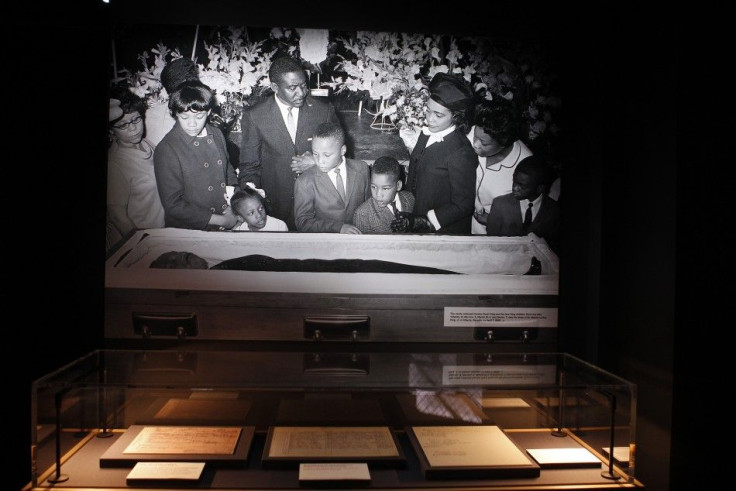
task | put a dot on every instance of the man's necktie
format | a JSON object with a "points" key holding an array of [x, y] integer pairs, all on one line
{"points": [[392, 207], [339, 184], [291, 124], [527, 218]]}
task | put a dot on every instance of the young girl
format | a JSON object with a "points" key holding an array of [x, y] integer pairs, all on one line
{"points": [[249, 205], [192, 165]]}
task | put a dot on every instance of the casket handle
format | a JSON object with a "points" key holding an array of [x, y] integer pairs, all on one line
{"points": [[337, 327], [175, 324], [505, 334], [339, 364], [525, 336]]}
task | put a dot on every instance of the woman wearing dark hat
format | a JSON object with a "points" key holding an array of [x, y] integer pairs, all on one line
{"points": [[158, 117], [442, 164]]}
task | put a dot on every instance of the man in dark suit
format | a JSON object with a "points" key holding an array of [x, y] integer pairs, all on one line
{"points": [[274, 152], [527, 208], [327, 194]]}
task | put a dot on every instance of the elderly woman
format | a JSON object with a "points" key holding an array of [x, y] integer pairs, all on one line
{"points": [[442, 165], [495, 138], [132, 195]]}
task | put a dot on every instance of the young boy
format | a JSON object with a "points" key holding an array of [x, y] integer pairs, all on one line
{"points": [[327, 194], [527, 208], [375, 215]]}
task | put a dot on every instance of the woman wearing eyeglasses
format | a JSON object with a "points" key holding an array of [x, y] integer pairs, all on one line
{"points": [[132, 195]]}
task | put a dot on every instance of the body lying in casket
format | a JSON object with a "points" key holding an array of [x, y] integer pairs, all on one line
{"points": [[236, 260]]}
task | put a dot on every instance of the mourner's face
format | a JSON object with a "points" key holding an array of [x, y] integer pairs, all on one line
{"points": [[192, 122], [327, 153], [253, 212], [292, 89], [439, 118], [129, 130], [524, 187], [484, 144], [384, 189]]}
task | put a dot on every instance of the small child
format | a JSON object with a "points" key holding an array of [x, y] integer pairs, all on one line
{"points": [[387, 199], [249, 204], [327, 194], [527, 208]]}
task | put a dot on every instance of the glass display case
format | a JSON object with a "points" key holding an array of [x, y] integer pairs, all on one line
{"points": [[273, 420]]}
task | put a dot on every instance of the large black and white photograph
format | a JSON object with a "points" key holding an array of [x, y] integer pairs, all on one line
{"points": [[437, 153], [352, 212]]}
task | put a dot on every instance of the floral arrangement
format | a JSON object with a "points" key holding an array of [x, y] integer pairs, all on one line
{"points": [[380, 64], [386, 70], [542, 109], [146, 83], [527, 80], [394, 68], [313, 45], [235, 69], [407, 110]]}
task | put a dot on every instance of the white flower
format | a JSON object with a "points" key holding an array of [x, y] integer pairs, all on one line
{"points": [[313, 45], [234, 68], [437, 69]]}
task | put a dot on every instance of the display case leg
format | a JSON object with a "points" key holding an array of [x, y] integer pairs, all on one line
{"points": [[104, 432], [58, 476], [560, 410], [608, 473]]}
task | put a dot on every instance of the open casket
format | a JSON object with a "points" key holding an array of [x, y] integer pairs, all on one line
{"points": [[480, 289]]}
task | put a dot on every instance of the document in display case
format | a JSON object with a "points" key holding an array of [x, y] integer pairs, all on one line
{"points": [[297, 444], [469, 452], [216, 445]]}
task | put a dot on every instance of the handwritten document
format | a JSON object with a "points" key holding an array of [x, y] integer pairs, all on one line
{"points": [[220, 440], [457, 446], [321, 441]]}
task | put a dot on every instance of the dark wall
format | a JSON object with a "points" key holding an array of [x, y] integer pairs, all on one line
{"points": [[638, 238], [54, 67], [619, 263]]}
